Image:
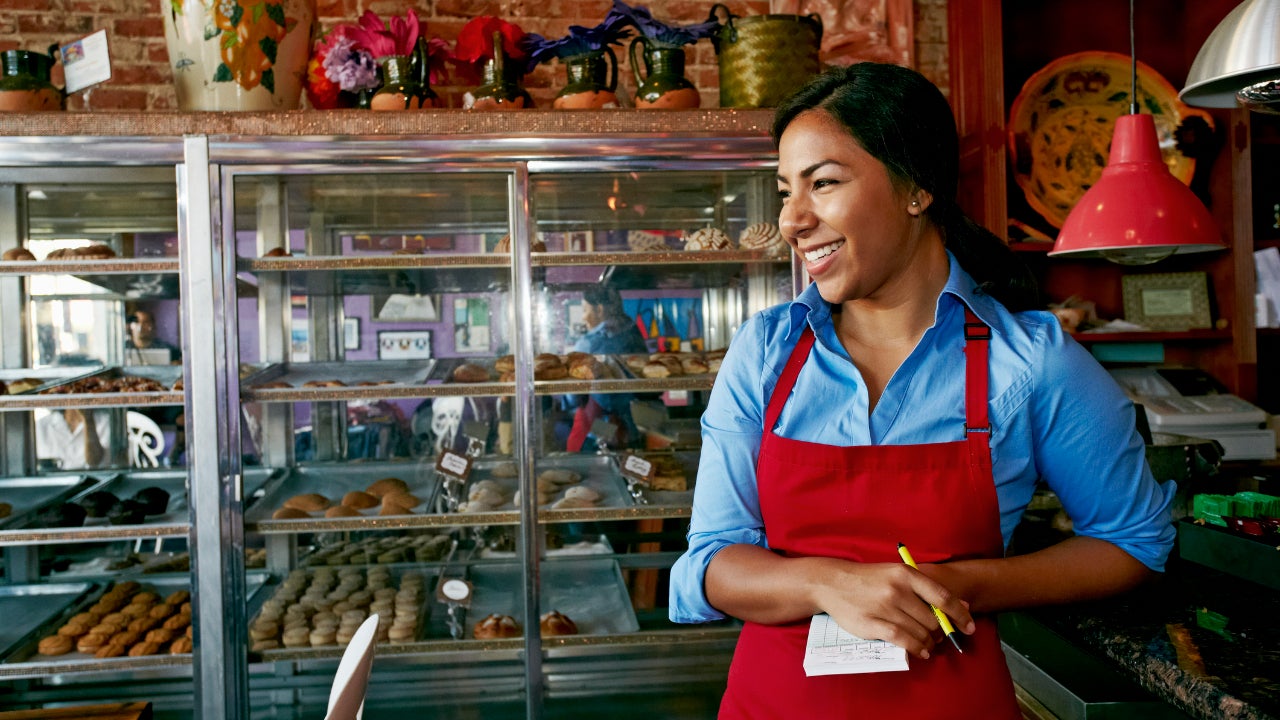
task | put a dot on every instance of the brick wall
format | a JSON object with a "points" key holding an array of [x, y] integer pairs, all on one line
{"points": [[141, 78]]}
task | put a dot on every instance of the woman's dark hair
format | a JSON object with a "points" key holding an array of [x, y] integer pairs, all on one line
{"points": [[615, 318], [903, 120]]}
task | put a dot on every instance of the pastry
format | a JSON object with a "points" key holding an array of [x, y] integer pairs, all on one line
{"points": [[325, 635], [766, 238], [496, 626], [20, 254], [505, 364], [708, 239], [504, 470], [161, 611], [63, 515], [359, 500], [386, 486], [549, 367], [177, 597], [590, 369], [143, 623], [288, 513], [660, 366], [504, 245], [86, 617], [154, 500], [277, 252], [127, 512], [180, 646], [558, 476], [340, 511], [693, 365], [568, 503], [308, 502], [297, 637], [143, 648], [73, 630], [177, 622], [323, 383], [273, 385], [55, 645], [89, 643], [110, 650], [470, 373], [583, 493], [260, 645], [125, 638], [403, 499], [390, 508], [159, 636], [402, 633], [97, 504], [554, 623]]}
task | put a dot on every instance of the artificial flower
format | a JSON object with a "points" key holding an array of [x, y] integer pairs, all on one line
{"points": [[579, 41], [660, 32], [438, 55], [475, 44], [398, 37], [337, 65]]}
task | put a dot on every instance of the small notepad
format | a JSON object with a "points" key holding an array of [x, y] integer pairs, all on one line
{"points": [[831, 650]]}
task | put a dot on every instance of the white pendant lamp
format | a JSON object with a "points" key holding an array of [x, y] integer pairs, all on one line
{"points": [[1240, 61]]}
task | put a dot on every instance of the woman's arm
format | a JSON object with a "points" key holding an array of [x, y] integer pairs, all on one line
{"points": [[879, 600], [1079, 568]]}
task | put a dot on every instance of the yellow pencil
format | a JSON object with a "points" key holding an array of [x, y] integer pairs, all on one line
{"points": [[942, 617]]}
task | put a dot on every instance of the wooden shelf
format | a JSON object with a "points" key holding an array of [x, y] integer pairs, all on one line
{"points": [[1130, 337]]}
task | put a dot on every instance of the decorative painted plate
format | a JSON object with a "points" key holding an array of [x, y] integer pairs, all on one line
{"points": [[1061, 123]]}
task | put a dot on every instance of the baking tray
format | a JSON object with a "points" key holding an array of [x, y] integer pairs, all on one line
{"points": [[27, 608], [599, 472], [333, 480], [396, 378], [29, 495], [61, 394], [678, 498], [125, 485], [590, 591], [621, 381], [431, 575], [49, 376], [26, 659]]}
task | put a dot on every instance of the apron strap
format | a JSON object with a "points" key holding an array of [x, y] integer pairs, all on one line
{"points": [[787, 379], [977, 424]]}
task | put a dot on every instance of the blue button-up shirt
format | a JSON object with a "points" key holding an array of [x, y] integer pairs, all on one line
{"points": [[1056, 415]]}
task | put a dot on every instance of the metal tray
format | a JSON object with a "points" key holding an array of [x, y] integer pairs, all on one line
{"points": [[431, 574], [621, 381], [590, 591], [27, 609], [30, 495], [677, 498], [26, 659], [48, 377], [599, 472], [333, 481], [399, 378], [125, 485], [61, 394]]}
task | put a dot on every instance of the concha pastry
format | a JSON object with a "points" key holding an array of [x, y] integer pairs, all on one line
{"points": [[641, 241], [764, 237], [708, 239]]}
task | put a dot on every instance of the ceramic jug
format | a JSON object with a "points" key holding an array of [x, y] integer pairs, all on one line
{"points": [[593, 81], [26, 81], [663, 85]]}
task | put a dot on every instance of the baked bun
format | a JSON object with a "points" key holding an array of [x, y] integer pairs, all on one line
{"points": [[96, 251], [554, 623], [386, 486], [359, 500], [20, 254], [309, 502], [288, 513], [504, 364], [662, 365], [497, 626], [591, 369], [766, 238], [549, 367], [708, 239], [470, 373], [693, 365], [277, 252], [338, 511]]}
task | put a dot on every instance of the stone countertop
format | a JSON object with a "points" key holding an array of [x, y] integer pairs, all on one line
{"points": [[1154, 636]]}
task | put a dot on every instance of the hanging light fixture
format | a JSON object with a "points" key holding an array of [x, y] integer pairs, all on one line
{"points": [[1138, 212], [1240, 62]]}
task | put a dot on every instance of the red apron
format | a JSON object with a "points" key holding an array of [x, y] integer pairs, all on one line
{"points": [[858, 503]]}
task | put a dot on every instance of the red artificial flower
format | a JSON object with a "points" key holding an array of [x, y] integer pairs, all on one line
{"points": [[382, 40], [475, 43]]}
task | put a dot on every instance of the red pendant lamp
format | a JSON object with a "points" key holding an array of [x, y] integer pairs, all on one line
{"points": [[1138, 212]]}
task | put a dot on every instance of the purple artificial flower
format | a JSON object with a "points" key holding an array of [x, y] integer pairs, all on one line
{"points": [[660, 32], [351, 68]]}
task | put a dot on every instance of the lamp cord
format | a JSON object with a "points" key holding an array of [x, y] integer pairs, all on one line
{"points": [[1133, 64]]}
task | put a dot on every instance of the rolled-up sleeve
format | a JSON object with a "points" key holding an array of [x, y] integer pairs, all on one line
{"points": [[1089, 452], [726, 508]]}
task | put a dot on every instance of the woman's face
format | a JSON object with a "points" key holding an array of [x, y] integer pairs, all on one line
{"points": [[592, 314], [856, 233]]}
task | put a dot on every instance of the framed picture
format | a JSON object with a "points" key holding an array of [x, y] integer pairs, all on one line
{"points": [[471, 326], [299, 344], [404, 344], [1167, 301], [351, 333]]}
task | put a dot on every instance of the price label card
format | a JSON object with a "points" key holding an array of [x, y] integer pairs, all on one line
{"points": [[86, 62], [637, 468], [454, 590], [452, 463], [475, 447]]}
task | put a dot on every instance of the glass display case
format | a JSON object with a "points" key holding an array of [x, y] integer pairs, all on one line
{"points": [[451, 380]]}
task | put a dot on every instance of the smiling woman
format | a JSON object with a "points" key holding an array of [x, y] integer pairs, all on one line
{"points": [[910, 396]]}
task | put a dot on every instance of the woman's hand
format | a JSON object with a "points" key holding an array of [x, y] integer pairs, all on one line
{"points": [[888, 601]]}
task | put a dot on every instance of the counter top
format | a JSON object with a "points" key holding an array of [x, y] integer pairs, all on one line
{"points": [[1153, 634]]}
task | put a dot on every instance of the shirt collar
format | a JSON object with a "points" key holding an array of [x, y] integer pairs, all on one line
{"points": [[809, 305]]}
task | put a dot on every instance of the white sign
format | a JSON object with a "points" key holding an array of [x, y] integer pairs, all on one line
{"points": [[86, 62]]}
